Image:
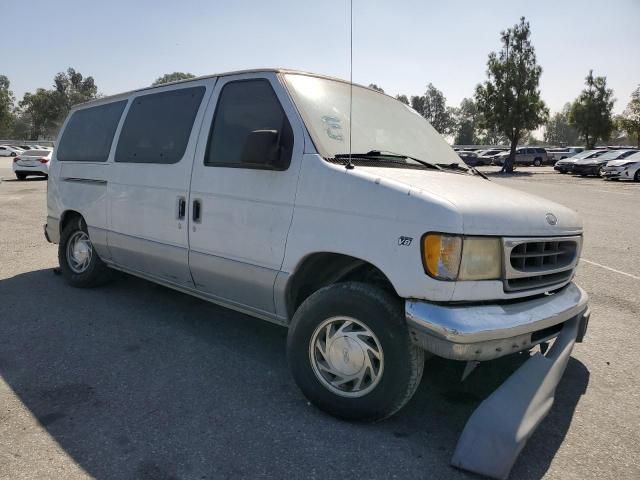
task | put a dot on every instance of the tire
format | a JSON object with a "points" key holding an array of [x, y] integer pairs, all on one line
{"points": [[381, 315], [21, 176], [91, 272], [537, 162], [13, 154], [636, 177]]}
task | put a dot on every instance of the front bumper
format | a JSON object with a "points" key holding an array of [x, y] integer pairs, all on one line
{"points": [[499, 428], [613, 172], [486, 332], [563, 167]]}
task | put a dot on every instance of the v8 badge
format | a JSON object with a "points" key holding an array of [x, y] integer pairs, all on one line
{"points": [[404, 241]]}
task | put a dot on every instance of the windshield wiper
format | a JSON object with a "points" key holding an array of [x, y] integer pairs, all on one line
{"points": [[469, 168], [384, 153]]}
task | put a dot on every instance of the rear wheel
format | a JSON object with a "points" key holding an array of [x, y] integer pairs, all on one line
{"points": [[537, 162], [349, 352], [21, 176], [636, 177], [79, 262]]}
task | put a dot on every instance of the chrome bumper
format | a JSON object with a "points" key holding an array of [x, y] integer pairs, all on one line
{"points": [[485, 332]]}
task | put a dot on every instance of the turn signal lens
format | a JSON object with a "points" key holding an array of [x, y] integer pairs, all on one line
{"points": [[441, 255]]}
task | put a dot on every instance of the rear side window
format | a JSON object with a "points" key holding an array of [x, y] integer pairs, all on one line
{"points": [[158, 126], [245, 106], [89, 133], [541, 150]]}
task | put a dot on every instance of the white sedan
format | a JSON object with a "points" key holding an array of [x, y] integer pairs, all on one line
{"points": [[32, 162], [9, 151], [625, 169]]}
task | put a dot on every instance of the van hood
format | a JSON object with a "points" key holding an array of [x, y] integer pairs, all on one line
{"points": [[487, 208]]}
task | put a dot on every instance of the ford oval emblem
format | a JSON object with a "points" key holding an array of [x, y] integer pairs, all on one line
{"points": [[551, 219]]}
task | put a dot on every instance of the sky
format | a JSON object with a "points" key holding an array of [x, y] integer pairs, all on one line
{"points": [[400, 45]]}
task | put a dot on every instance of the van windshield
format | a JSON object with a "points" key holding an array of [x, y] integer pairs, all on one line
{"points": [[380, 123]]}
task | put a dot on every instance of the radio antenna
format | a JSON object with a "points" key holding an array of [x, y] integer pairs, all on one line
{"points": [[349, 165]]}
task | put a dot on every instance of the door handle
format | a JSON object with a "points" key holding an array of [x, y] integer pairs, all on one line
{"points": [[182, 208], [196, 213]]}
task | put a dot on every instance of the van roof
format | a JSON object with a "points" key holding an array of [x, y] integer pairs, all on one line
{"points": [[224, 74]]}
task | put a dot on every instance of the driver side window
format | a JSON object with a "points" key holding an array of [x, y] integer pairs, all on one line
{"points": [[249, 120]]}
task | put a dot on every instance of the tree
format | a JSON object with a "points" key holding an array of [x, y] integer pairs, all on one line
{"points": [[432, 106], [375, 87], [509, 100], [6, 107], [558, 130], [45, 110], [403, 99], [42, 110], [173, 77], [417, 103], [73, 88], [629, 121], [590, 113], [466, 123]]}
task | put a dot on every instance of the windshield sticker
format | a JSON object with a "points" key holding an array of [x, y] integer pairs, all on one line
{"points": [[333, 127]]}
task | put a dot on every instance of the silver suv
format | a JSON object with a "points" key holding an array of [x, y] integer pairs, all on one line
{"points": [[526, 156]]}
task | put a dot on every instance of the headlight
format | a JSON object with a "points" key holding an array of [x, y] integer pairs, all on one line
{"points": [[453, 257]]}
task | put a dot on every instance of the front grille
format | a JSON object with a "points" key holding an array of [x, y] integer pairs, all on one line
{"points": [[541, 256], [534, 263]]}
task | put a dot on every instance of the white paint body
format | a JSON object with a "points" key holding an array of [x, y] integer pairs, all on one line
{"points": [[32, 162], [625, 169], [258, 226]]}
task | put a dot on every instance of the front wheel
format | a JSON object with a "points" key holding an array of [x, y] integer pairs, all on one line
{"points": [[79, 262], [349, 352], [636, 177]]}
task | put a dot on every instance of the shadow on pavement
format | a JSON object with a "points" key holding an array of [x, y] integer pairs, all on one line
{"points": [[134, 380]]}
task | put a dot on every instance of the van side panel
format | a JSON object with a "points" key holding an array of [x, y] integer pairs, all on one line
{"points": [[237, 248], [81, 186], [146, 234]]}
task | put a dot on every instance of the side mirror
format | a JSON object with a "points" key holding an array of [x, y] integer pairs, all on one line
{"points": [[261, 148]]}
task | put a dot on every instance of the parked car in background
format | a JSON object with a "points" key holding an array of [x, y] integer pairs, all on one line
{"points": [[487, 156], [535, 156], [561, 153], [32, 162], [566, 164], [623, 169], [470, 158], [593, 166], [9, 151]]}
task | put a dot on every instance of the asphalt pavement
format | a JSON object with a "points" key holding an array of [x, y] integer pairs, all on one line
{"points": [[133, 380]]}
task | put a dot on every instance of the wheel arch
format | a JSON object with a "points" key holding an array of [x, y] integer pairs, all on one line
{"points": [[320, 269], [68, 216]]}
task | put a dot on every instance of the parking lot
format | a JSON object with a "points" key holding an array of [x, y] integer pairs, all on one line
{"points": [[133, 380]]}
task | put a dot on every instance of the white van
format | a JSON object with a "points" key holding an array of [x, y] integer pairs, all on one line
{"points": [[239, 189]]}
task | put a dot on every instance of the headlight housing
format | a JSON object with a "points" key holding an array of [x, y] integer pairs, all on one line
{"points": [[455, 257]]}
